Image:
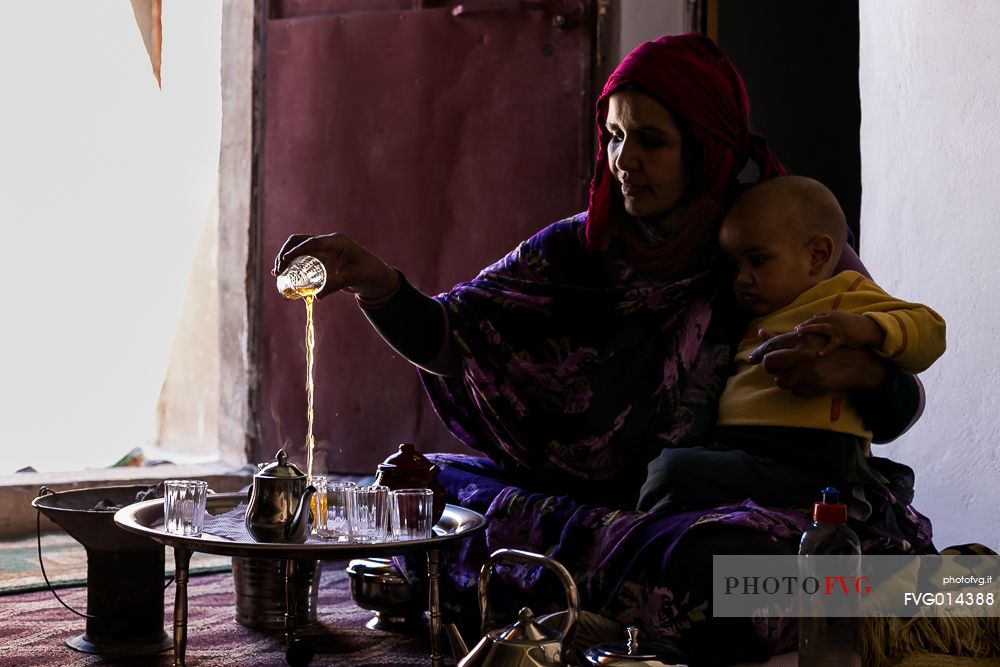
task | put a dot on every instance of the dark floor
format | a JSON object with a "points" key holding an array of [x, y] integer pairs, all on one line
{"points": [[34, 628]]}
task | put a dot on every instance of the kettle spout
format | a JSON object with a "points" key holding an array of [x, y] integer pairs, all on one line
{"points": [[297, 530], [458, 647]]}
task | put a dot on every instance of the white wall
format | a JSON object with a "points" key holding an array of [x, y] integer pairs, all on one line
{"points": [[930, 153]]}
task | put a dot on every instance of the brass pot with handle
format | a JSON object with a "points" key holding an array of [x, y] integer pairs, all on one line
{"points": [[526, 643]]}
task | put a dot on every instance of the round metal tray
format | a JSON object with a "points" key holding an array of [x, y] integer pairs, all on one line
{"points": [[146, 518]]}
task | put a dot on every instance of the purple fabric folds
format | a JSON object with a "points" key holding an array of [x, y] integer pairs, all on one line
{"points": [[574, 367]]}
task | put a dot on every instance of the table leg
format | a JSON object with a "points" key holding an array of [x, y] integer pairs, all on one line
{"points": [[298, 651], [182, 562], [434, 605], [290, 602]]}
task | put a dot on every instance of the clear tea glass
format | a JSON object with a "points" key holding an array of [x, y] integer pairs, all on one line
{"points": [[184, 506], [339, 520], [411, 511], [304, 276], [371, 514]]}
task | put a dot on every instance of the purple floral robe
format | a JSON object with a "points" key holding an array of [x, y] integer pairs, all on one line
{"points": [[576, 374]]}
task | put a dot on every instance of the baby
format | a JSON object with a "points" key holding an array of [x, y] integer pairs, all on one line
{"points": [[784, 238]]}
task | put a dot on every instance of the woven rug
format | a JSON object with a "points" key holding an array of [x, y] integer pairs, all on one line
{"points": [[65, 562], [34, 628]]}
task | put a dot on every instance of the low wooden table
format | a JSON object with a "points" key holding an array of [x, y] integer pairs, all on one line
{"points": [[146, 518]]}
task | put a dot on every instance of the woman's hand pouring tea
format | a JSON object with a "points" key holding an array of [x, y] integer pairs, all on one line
{"points": [[349, 266]]}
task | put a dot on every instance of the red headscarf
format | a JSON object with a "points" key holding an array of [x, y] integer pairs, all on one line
{"points": [[698, 84]]}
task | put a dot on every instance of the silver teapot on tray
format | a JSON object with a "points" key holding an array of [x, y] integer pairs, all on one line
{"points": [[279, 505]]}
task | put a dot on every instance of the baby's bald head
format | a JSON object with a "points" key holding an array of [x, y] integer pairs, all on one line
{"points": [[794, 205], [782, 237]]}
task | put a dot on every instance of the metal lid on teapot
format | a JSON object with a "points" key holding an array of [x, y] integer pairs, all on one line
{"points": [[528, 631], [407, 459], [629, 652], [280, 468]]}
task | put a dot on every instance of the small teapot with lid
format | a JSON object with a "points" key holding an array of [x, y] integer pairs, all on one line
{"points": [[409, 469], [279, 506]]}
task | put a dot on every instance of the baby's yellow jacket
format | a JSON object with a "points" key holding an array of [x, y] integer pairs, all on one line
{"points": [[914, 339]]}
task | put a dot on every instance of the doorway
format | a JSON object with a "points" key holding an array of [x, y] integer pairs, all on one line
{"points": [[436, 134], [799, 61]]}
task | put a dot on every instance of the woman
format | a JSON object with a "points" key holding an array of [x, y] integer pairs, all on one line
{"points": [[603, 339]]}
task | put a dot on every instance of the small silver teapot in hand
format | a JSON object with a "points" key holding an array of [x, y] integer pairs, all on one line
{"points": [[279, 506], [526, 643]]}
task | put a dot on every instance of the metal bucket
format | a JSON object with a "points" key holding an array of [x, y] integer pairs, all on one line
{"points": [[260, 592]]}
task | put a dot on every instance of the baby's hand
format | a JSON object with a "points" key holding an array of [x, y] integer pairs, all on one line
{"points": [[843, 329]]}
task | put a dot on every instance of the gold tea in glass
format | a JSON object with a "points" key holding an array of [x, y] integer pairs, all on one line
{"points": [[304, 276], [319, 504]]}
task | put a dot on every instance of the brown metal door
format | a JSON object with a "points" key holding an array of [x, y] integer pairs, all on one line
{"points": [[436, 136]]}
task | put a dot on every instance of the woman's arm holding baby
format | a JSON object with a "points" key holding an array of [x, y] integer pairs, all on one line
{"points": [[843, 330], [889, 400], [873, 343], [911, 336]]}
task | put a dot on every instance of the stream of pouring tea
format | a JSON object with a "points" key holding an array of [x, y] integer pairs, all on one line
{"points": [[304, 279], [310, 441], [310, 344], [307, 294]]}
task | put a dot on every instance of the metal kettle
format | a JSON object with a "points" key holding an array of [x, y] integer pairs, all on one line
{"points": [[526, 643], [279, 505]]}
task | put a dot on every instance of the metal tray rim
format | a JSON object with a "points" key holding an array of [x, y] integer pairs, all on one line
{"points": [[456, 523]]}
